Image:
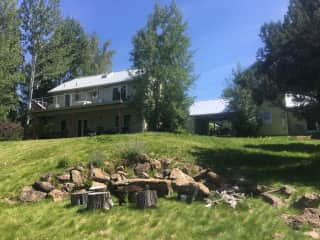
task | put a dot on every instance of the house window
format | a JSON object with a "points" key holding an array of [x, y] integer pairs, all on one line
{"points": [[123, 93], [115, 94], [266, 117], [63, 125], [77, 96], [67, 100]]}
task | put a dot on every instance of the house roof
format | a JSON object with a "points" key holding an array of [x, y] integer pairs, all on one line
{"points": [[95, 81], [214, 106], [290, 101]]}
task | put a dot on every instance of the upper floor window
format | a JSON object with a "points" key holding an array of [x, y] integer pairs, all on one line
{"points": [[116, 94], [119, 93]]}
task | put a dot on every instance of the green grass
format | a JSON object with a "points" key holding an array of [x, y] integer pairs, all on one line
{"points": [[274, 161]]}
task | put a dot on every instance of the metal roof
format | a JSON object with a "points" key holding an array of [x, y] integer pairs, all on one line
{"points": [[94, 81], [214, 106]]}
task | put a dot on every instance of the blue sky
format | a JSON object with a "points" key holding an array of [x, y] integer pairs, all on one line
{"points": [[224, 33]]}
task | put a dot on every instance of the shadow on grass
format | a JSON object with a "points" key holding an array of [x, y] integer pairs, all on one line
{"points": [[291, 147], [260, 166]]}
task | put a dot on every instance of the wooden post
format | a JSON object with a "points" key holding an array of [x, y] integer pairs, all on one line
{"points": [[80, 198], [99, 200], [146, 199]]}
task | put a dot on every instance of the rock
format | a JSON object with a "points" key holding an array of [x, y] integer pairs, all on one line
{"points": [[155, 164], [204, 191], [123, 174], [116, 177], [142, 167], [43, 186], [166, 173], [314, 234], [177, 175], [120, 168], [99, 175], [309, 200], [262, 188], [159, 176], [48, 177], [309, 216], [287, 190], [69, 187], [163, 187], [76, 177], [98, 184], [165, 162], [209, 177], [143, 175], [28, 194], [272, 199], [57, 195], [107, 165], [63, 178], [80, 168]]}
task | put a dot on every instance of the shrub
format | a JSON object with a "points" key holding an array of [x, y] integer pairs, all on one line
{"points": [[64, 163], [10, 131], [133, 151], [97, 158]]}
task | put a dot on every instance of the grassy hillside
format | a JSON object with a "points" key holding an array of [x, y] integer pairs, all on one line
{"points": [[273, 161]]}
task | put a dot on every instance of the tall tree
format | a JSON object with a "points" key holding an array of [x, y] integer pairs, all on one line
{"points": [[163, 59], [290, 57], [39, 20], [98, 59], [10, 57], [246, 120]]}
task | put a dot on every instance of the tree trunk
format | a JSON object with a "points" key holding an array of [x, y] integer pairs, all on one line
{"points": [[99, 200], [79, 198], [146, 199], [31, 86]]}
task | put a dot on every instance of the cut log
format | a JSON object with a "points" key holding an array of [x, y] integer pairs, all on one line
{"points": [[99, 200], [146, 199], [79, 198], [98, 188]]}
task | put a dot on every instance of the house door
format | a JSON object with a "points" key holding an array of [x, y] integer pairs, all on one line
{"points": [[79, 128]]}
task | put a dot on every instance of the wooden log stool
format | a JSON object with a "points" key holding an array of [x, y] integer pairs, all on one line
{"points": [[79, 198], [99, 200], [98, 189], [146, 199]]}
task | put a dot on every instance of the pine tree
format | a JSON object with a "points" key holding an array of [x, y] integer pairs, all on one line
{"points": [[162, 57], [10, 57], [39, 21]]}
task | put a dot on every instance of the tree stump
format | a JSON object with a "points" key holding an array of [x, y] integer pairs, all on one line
{"points": [[80, 198], [146, 199], [98, 189], [99, 200]]}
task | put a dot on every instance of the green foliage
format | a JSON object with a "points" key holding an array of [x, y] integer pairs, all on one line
{"points": [[245, 121], [132, 151], [10, 58], [97, 158], [64, 163], [290, 58], [163, 59], [10, 131]]}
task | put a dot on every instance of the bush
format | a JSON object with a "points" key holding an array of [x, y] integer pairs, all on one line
{"points": [[10, 131], [64, 163], [133, 151], [97, 158]]}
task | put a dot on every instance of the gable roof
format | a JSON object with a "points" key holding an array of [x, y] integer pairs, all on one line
{"points": [[95, 81], [214, 106]]}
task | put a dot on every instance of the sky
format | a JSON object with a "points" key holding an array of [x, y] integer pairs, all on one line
{"points": [[223, 33]]}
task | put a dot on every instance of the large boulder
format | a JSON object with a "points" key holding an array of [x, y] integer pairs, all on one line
{"points": [[43, 186], [48, 177], [99, 175], [163, 187], [76, 177], [309, 200], [185, 184], [64, 178], [57, 195], [28, 194]]}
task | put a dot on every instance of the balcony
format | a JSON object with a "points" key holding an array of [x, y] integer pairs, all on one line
{"points": [[74, 100]]}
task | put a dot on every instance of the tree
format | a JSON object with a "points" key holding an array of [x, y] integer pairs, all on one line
{"points": [[39, 20], [245, 121], [97, 60], [163, 60], [10, 57], [290, 57]]}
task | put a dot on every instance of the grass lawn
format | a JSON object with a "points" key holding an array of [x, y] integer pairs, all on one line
{"points": [[278, 160]]}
